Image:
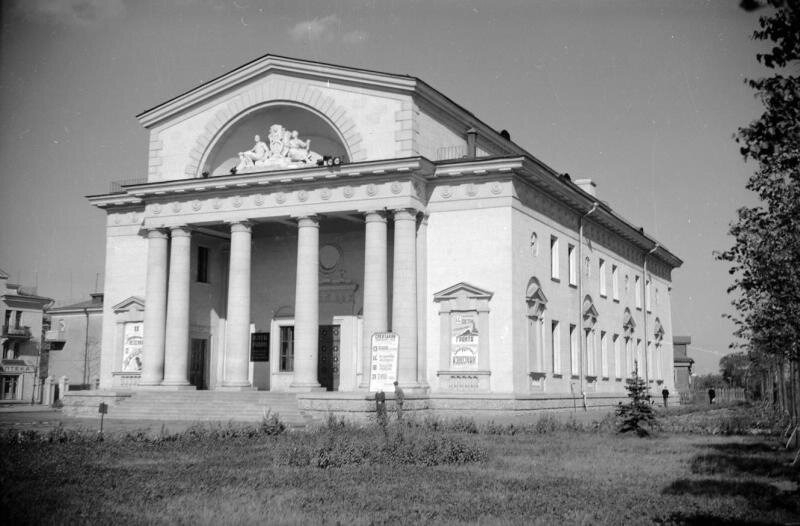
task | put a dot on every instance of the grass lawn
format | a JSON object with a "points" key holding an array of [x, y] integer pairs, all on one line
{"points": [[544, 477]]}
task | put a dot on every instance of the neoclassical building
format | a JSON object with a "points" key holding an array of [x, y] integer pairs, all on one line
{"points": [[292, 210]]}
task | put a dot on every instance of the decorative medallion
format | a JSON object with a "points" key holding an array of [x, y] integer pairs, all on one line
{"points": [[496, 188], [396, 187], [280, 198], [472, 190], [237, 201], [196, 205], [371, 190], [258, 199], [348, 191], [134, 218], [117, 219], [302, 195], [216, 203], [446, 192], [156, 208], [176, 207], [325, 193]]}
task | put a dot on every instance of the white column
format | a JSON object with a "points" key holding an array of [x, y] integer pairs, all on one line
{"points": [[155, 309], [176, 360], [376, 302], [237, 353], [404, 295], [306, 306]]}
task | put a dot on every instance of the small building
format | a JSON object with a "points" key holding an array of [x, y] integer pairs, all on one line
{"points": [[22, 311], [294, 210], [682, 363], [74, 341]]}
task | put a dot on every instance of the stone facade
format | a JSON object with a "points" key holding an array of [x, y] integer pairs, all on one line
{"points": [[454, 255]]}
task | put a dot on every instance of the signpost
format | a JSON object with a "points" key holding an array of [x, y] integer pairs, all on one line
{"points": [[383, 365], [103, 409]]}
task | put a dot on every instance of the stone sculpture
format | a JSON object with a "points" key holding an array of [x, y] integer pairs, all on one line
{"points": [[285, 150]]}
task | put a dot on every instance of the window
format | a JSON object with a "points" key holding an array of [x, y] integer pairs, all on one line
{"points": [[615, 282], [573, 272], [650, 367], [637, 291], [647, 295], [603, 354], [659, 372], [628, 357], [639, 358], [602, 275], [534, 244], [554, 257], [555, 345], [287, 349], [590, 353], [617, 357], [202, 264], [18, 320], [574, 352]]}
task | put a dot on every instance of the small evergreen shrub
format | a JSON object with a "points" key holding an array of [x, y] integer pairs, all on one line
{"points": [[637, 415]]}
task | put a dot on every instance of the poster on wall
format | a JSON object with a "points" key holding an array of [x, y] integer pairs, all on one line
{"points": [[132, 339], [464, 341], [383, 366]]}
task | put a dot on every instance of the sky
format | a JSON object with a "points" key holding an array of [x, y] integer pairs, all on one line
{"points": [[642, 96]]}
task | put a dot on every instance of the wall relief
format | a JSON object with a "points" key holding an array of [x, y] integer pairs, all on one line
{"points": [[285, 149]]}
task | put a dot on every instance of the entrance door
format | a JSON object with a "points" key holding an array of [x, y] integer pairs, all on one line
{"points": [[328, 365], [8, 387], [197, 363]]}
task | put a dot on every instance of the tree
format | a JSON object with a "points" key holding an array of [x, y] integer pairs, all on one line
{"points": [[765, 257], [734, 368], [637, 415]]}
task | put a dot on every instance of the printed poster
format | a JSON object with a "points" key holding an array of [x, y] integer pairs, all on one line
{"points": [[132, 347], [464, 342], [383, 366]]}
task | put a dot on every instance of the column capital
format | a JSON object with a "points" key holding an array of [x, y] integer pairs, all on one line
{"points": [[405, 214], [180, 231], [240, 226], [308, 221], [156, 233], [374, 216]]}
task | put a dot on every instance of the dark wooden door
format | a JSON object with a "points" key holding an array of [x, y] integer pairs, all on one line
{"points": [[328, 364], [197, 363]]}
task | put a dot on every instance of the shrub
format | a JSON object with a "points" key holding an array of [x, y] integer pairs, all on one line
{"points": [[547, 423], [637, 415]]}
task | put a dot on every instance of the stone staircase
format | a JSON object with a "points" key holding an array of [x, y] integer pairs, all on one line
{"points": [[208, 406]]}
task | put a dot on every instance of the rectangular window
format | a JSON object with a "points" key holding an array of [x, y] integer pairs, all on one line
{"points": [[615, 282], [647, 295], [603, 354], [603, 277], [650, 364], [628, 358], [573, 271], [639, 358], [590, 353], [18, 320], [637, 290], [659, 371], [617, 357], [555, 345], [202, 264], [287, 349], [554, 257], [574, 352]]}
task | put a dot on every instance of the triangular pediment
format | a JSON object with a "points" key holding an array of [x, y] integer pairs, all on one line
{"points": [[131, 303], [628, 322], [462, 290]]}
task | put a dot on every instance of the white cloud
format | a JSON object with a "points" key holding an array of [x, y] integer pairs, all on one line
{"points": [[71, 11], [325, 29], [354, 37]]}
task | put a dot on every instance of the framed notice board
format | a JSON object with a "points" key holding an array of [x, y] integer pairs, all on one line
{"points": [[259, 347]]}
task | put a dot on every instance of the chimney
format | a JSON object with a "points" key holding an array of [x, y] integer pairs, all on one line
{"points": [[97, 298], [472, 143], [587, 185]]}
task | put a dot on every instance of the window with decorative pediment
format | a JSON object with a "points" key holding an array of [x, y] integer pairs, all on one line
{"points": [[464, 354], [628, 328], [537, 303], [590, 315], [128, 341]]}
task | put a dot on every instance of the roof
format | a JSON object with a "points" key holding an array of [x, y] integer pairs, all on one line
{"points": [[88, 304], [3, 274]]}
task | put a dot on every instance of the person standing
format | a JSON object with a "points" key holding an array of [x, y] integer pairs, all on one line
{"points": [[400, 398], [665, 394], [711, 395]]}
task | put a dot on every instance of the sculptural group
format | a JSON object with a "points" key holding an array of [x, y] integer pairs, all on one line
{"points": [[285, 149]]}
